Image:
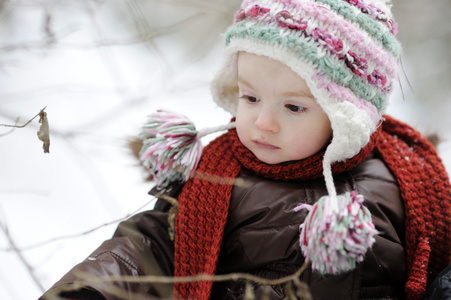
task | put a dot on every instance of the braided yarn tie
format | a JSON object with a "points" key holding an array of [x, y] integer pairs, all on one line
{"points": [[171, 147], [336, 233]]}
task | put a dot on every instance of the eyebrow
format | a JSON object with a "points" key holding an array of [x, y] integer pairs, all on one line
{"points": [[288, 94], [245, 82], [298, 94]]}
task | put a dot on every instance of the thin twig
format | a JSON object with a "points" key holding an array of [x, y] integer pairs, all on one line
{"points": [[89, 278], [22, 258], [22, 126], [69, 236], [12, 129], [105, 42]]}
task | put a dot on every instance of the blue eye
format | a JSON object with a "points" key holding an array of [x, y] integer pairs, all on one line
{"points": [[295, 108]]}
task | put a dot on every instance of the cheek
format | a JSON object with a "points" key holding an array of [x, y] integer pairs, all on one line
{"points": [[242, 125], [325, 130], [322, 135], [240, 128], [309, 140]]}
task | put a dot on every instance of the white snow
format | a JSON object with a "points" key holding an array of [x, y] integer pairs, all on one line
{"points": [[96, 98]]}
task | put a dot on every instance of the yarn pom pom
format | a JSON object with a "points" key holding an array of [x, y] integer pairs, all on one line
{"points": [[171, 147], [336, 233]]}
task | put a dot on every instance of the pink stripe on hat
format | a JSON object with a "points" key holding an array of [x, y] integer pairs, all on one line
{"points": [[341, 93], [345, 30]]}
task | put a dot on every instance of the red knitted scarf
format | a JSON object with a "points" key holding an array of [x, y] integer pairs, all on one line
{"points": [[424, 184]]}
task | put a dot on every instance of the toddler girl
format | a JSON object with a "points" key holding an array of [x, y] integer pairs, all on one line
{"points": [[313, 172]]}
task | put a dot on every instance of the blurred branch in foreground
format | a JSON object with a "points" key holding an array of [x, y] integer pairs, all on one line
{"points": [[4, 229], [293, 286]]}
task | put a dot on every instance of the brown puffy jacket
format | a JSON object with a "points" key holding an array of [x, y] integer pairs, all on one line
{"points": [[261, 238]]}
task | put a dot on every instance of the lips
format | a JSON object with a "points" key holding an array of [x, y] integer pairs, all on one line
{"points": [[264, 145]]}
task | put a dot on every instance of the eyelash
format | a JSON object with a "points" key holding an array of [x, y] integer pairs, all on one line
{"points": [[295, 108], [250, 99]]}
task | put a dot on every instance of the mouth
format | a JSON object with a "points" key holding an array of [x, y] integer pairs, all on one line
{"points": [[264, 145]]}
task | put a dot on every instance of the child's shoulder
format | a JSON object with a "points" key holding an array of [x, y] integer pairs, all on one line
{"points": [[373, 167]]}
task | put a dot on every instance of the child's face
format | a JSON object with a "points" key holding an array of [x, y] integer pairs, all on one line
{"points": [[278, 119]]}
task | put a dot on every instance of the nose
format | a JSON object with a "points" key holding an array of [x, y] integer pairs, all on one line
{"points": [[267, 121]]}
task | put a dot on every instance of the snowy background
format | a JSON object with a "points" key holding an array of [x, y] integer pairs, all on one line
{"points": [[99, 67]]}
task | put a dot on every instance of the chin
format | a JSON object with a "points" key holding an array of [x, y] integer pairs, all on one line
{"points": [[269, 159]]}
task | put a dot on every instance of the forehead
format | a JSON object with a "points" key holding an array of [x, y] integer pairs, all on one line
{"points": [[266, 74], [248, 60]]}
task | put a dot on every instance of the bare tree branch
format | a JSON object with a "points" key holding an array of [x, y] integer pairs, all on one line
{"points": [[4, 229], [289, 281], [69, 236], [12, 129], [29, 121]]}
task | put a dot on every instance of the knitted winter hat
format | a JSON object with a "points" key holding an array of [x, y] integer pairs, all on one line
{"points": [[344, 49]]}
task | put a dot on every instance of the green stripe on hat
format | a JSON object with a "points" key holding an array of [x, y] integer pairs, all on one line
{"points": [[373, 27]]}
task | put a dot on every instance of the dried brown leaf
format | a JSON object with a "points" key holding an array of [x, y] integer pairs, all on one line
{"points": [[135, 145], [43, 133]]}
